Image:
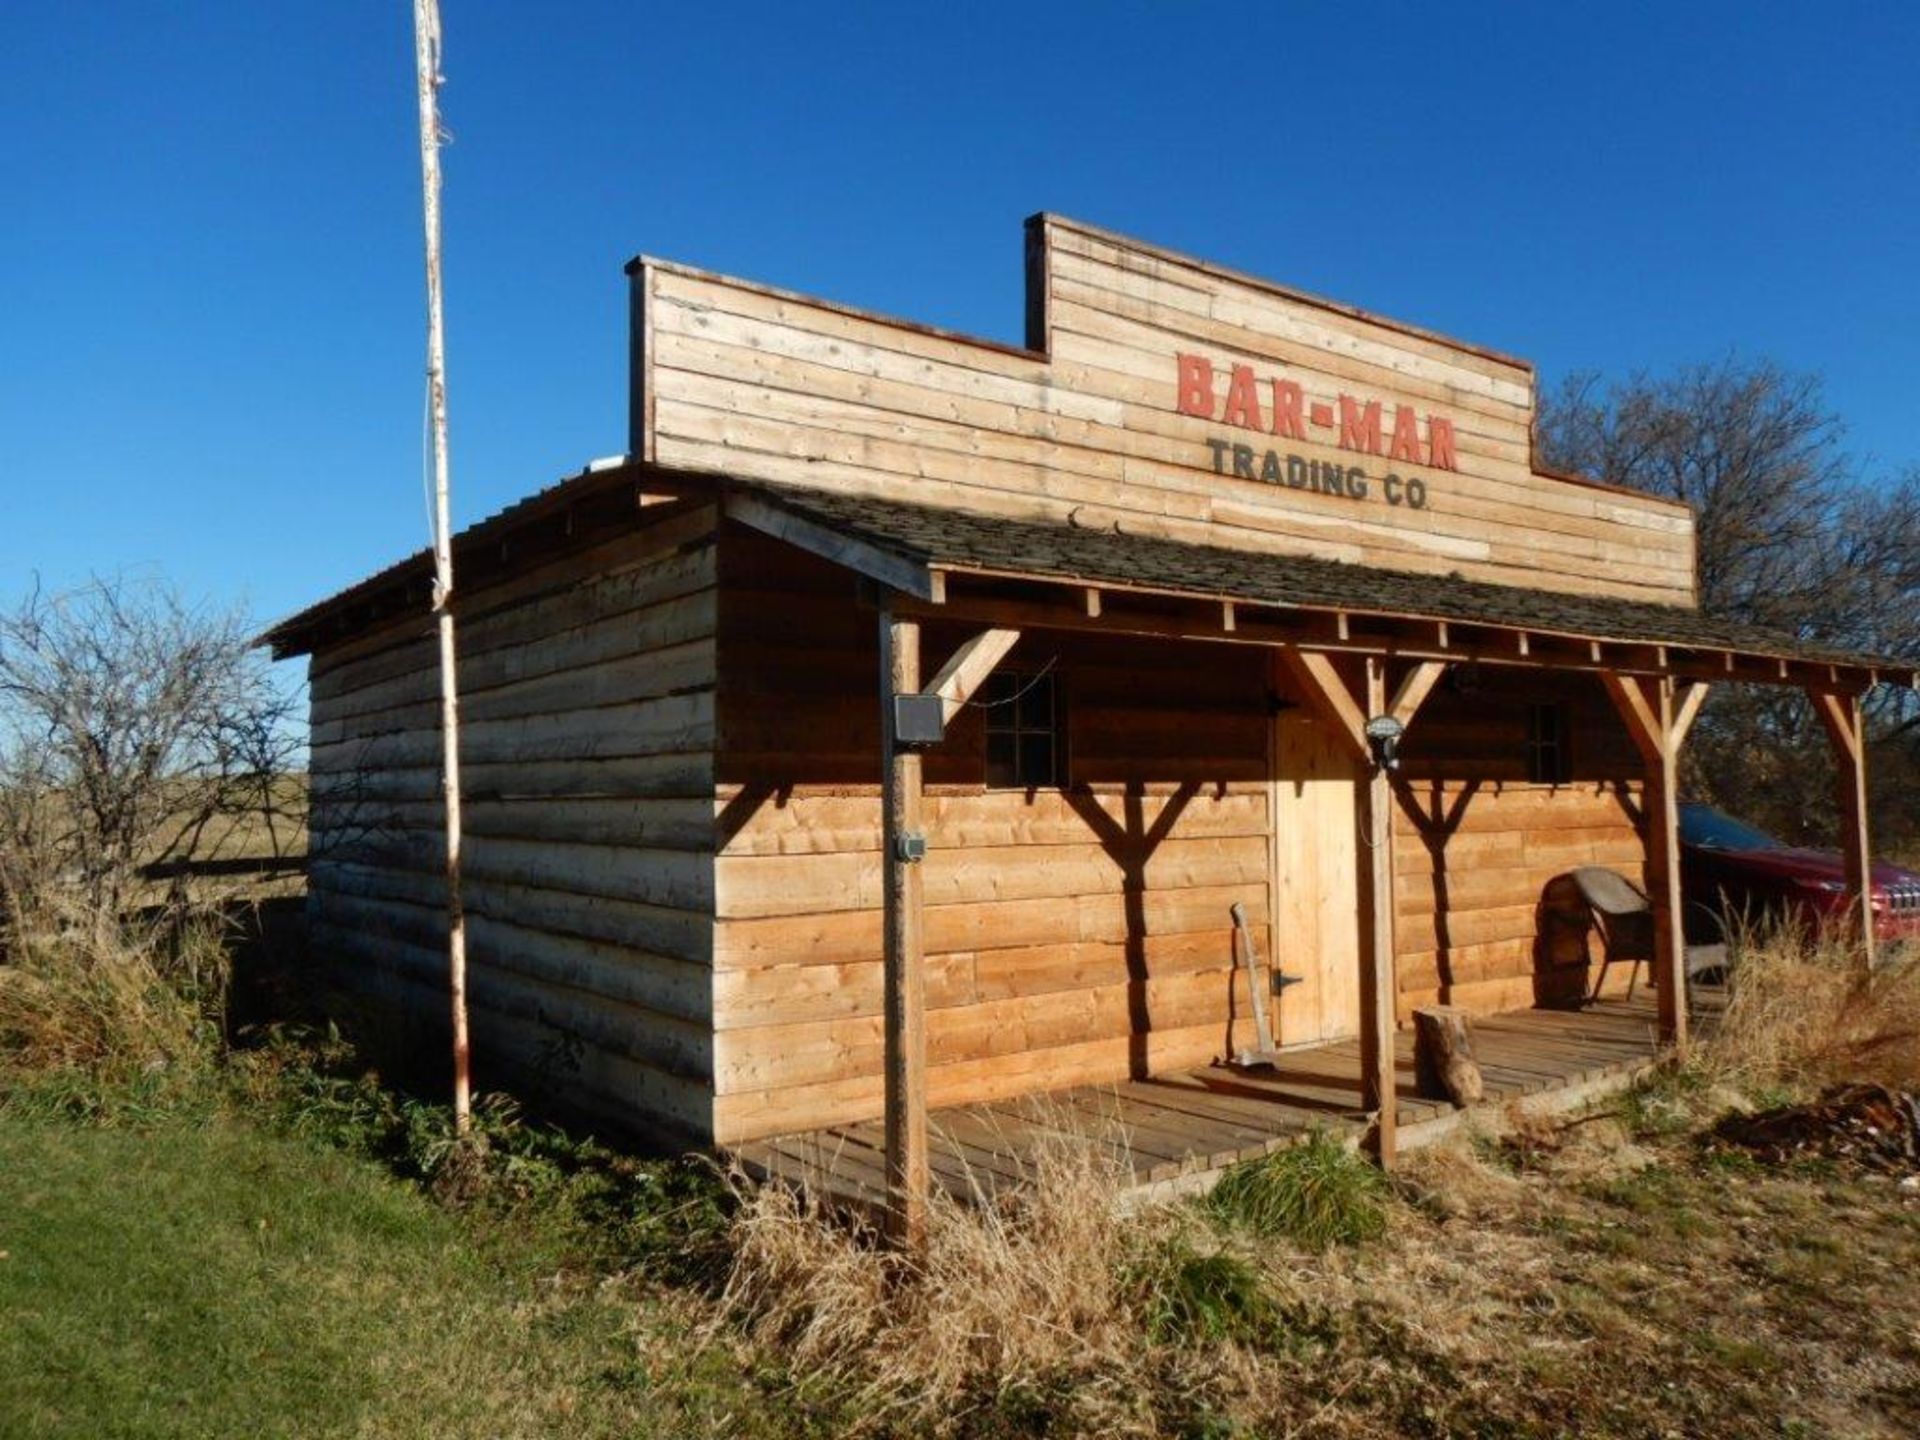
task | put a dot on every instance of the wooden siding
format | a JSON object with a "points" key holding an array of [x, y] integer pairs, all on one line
{"points": [[587, 693], [1478, 846], [740, 379], [1081, 936], [1073, 936]]}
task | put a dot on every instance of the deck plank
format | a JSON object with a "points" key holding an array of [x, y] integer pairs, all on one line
{"points": [[1169, 1127]]}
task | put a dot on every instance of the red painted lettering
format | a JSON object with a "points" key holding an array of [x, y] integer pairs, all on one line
{"points": [[1440, 443], [1196, 386], [1243, 399], [1359, 427], [1406, 436], [1286, 410]]}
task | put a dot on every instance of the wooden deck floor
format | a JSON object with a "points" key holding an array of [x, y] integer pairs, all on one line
{"points": [[1176, 1131]]}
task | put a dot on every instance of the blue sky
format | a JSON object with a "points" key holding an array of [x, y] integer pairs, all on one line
{"points": [[211, 314]]}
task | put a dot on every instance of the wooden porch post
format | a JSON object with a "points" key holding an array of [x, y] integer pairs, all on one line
{"points": [[1376, 968], [1657, 717], [1844, 722], [1320, 682], [904, 963]]}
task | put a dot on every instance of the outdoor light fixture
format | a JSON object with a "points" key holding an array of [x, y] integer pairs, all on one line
{"points": [[1383, 737]]}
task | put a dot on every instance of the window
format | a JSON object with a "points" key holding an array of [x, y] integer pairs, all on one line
{"points": [[1547, 760], [1024, 749]]}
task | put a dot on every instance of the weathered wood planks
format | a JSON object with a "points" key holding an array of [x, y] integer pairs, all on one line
{"points": [[1183, 1127], [587, 689], [741, 379]]}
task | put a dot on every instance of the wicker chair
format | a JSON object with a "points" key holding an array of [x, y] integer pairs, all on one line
{"points": [[1624, 918]]}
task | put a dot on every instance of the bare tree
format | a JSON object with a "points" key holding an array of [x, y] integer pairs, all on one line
{"points": [[1790, 536], [138, 735]]}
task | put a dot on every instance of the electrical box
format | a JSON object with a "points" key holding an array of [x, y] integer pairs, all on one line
{"points": [[918, 720]]}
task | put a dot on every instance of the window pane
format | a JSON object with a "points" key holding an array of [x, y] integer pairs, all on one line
{"points": [[999, 688], [1036, 758], [1000, 759], [1036, 703]]}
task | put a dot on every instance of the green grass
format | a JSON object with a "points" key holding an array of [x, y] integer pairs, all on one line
{"points": [[1317, 1193], [216, 1278], [296, 1252], [1194, 1298]]}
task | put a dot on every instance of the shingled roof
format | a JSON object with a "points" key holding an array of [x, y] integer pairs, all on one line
{"points": [[925, 538], [940, 538]]}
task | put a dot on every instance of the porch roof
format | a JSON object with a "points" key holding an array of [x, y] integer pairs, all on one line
{"points": [[937, 542], [916, 547]]}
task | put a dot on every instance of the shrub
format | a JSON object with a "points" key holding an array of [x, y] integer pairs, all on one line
{"points": [[1317, 1193]]}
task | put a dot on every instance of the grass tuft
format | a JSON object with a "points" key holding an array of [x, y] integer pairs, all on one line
{"points": [[1189, 1297], [1317, 1193]]}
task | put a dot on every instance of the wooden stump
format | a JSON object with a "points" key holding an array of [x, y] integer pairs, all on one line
{"points": [[1443, 1055]]}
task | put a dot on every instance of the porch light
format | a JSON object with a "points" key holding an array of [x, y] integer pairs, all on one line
{"points": [[1383, 737]]}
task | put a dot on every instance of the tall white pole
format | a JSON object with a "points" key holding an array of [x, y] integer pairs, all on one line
{"points": [[426, 34]]}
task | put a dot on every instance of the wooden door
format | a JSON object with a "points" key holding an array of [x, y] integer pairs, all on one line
{"points": [[1316, 886]]}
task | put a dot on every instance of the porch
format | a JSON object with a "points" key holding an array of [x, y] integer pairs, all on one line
{"points": [[1175, 1133], [1343, 701]]}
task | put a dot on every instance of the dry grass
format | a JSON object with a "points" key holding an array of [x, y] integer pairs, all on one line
{"points": [[83, 996], [1036, 1291], [1802, 1011], [1602, 1274]]}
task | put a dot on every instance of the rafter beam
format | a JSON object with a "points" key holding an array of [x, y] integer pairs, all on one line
{"points": [[907, 576]]}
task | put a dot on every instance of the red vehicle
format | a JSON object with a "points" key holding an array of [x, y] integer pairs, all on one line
{"points": [[1732, 868]]}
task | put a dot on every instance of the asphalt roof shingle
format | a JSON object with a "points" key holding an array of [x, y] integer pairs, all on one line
{"points": [[965, 540], [940, 537]]}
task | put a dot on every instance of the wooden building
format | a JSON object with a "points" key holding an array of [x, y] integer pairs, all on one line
{"points": [[1149, 578]]}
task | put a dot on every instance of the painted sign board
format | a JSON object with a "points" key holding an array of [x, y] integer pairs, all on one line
{"points": [[1157, 394]]}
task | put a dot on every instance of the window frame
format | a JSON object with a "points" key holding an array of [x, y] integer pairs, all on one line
{"points": [[1008, 717], [1556, 746]]}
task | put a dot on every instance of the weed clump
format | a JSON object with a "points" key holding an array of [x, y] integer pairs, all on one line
{"points": [[1188, 1296], [1803, 1011], [106, 1023], [611, 1210], [1317, 1194], [1046, 1301]]}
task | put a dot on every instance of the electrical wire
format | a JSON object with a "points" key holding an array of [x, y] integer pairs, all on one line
{"points": [[1038, 675]]}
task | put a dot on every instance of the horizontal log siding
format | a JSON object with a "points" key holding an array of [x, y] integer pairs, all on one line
{"points": [[1060, 950], [744, 381], [587, 694], [1478, 848]]}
